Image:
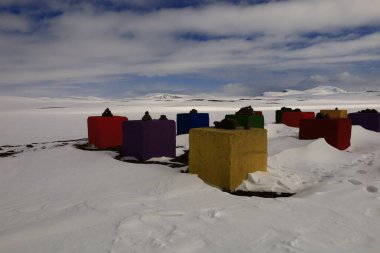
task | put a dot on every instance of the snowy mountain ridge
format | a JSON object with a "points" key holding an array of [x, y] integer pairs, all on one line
{"points": [[165, 96], [319, 90]]}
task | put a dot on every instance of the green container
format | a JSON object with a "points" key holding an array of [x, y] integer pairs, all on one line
{"points": [[256, 121], [279, 116]]}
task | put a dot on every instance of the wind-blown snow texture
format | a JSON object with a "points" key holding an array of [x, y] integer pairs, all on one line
{"points": [[56, 198]]}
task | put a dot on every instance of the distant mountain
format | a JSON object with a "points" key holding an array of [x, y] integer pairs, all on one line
{"points": [[165, 96], [319, 90]]}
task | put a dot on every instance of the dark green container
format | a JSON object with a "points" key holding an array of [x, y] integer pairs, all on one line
{"points": [[279, 116], [256, 121]]}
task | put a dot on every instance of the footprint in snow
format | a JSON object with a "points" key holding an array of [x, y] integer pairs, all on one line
{"points": [[210, 215], [372, 189], [354, 181], [361, 172]]}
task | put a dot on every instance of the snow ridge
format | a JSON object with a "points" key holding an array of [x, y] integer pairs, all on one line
{"points": [[319, 90], [164, 96]]}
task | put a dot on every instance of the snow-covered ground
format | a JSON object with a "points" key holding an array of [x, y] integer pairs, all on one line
{"points": [[57, 198]]}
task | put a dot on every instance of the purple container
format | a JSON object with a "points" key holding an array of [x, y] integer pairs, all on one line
{"points": [[146, 139], [370, 121]]}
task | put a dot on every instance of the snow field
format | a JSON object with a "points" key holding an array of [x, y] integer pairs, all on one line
{"points": [[56, 198]]}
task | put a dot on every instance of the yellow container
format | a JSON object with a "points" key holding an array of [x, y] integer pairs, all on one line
{"points": [[335, 114], [223, 158]]}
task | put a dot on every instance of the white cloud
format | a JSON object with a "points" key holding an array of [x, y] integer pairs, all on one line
{"points": [[348, 77], [344, 80], [319, 79], [274, 17], [340, 48], [13, 23], [86, 43], [236, 89]]}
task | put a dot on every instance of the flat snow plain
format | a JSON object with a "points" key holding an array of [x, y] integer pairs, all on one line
{"points": [[56, 198]]}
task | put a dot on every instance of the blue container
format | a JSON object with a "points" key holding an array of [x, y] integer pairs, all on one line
{"points": [[187, 121]]}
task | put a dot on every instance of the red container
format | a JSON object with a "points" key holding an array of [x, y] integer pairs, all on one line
{"points": [[337, 132], [105, 132], [292, 119]]}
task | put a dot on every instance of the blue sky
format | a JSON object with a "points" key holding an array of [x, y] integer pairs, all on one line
{"points": [[126, 48]]}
